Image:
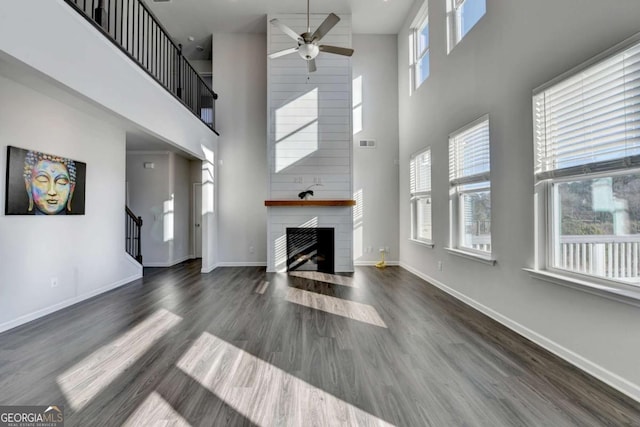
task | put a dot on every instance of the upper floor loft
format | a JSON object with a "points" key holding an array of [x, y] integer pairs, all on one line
{"points": [[116, 56], [134, 29]]}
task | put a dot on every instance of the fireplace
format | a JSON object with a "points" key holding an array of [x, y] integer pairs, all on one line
{"points": [[310, 249]]}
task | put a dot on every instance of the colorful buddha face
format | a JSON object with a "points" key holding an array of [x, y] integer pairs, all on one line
{"points": [[49, 183]]}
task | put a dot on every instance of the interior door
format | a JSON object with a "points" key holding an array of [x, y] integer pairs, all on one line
{"points": [[197, 220]]}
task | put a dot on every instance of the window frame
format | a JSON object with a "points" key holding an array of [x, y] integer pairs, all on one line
{"points": [[415, 58], [545, 222], [454, 23], [415, 196], [456, 194]]}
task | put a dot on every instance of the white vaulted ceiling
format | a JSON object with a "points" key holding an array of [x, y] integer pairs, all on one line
{"points": [[200, 18]]}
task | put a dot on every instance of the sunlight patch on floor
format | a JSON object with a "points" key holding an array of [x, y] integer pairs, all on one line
{"points": [[340, 307], [263, 393], [317, 276], [86, 379], [155, 411]]}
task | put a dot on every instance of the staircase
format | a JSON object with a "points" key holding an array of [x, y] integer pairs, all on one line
{"points": [[133, 228]]}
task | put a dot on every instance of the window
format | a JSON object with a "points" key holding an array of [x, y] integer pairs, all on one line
{"points": [[462, 15], [419, 48], [420, 183], [469, 168], [587, 145]]}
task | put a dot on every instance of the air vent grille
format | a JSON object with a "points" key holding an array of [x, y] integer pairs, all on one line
{"points": [[368, 143]]}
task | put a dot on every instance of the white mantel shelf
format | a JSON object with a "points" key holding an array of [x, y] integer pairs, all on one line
{"points": [[309, 202]]}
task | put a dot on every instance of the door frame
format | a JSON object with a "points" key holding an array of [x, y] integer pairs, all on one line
{"points": [[196, 186]]}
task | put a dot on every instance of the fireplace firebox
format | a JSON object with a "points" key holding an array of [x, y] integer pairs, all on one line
{"points": [[310, 249]]}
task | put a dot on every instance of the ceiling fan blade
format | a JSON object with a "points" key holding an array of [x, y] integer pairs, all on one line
{"points": [[283, 52], [288, 31], [311, 65], [329, 22], [335, 49]]}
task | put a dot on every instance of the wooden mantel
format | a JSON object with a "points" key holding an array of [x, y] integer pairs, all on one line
{"points": [[309, 202]]}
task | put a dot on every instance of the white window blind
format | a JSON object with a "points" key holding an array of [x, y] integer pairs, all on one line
{"points": [[469, 154], [420, 172], [590, 122]]}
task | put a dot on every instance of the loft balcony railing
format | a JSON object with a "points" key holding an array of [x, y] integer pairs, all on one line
{"points": [[131, 26]]}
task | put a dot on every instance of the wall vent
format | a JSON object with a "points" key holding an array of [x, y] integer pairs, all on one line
{"points": [[368, 143]]}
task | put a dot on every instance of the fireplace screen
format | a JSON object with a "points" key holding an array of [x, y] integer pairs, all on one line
{"points": [[310, 249]]}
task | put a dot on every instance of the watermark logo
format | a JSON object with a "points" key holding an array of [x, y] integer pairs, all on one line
{"points": [[32, 416]]}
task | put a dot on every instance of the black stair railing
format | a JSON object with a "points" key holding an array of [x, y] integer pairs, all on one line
{"points": [[133, 228], [131, 26]]}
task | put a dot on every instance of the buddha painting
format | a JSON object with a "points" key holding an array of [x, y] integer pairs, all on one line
{"points": [[51, 183]]}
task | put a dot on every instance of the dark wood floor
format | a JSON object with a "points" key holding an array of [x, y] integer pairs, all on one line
{"points": [[242, 347]]}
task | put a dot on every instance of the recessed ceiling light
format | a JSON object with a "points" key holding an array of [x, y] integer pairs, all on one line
{"points": [[191, 38]]}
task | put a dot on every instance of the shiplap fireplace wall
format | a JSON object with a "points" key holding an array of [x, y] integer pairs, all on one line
{"points": [[309, 137]]}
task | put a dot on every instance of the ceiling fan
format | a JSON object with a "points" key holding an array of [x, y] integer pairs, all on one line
{"points": [[308, 47]]}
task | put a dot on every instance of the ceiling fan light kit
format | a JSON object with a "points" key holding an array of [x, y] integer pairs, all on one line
{"points": [[308, 47]]}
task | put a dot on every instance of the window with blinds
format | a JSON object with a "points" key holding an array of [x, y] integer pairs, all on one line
{"points": [[469, 153], [590, 122], [469, 177], [420, 197], [587, 168]]}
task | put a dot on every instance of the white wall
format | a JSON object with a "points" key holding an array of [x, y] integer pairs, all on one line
{"points": [[516, 47], [58, 42], [161, 196], [85, 253], [375, 171], [239, 68]]}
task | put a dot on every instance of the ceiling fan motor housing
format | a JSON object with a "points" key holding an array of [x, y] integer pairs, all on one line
{"points": [[308, 51]]}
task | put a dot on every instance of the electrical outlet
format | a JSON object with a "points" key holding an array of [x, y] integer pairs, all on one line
{"points": [[54, 282], [251, 249], [439, 265], [386, 249]]}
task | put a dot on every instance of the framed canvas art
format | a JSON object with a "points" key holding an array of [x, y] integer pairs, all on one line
{"points": [[43, 184]]}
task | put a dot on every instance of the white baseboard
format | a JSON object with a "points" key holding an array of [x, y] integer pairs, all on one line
{"points": [[167, 264], [67, 303], [205, 270], [242, 264], [373, 263], [134, 262], [616, 381]]}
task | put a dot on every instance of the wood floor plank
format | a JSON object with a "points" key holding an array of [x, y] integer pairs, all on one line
{"points": [[253, 348]]}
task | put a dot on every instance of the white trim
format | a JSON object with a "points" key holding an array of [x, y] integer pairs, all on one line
{"points": [[205, 270], [242, 264], [614, 380], [194, 218], [420, 16], [134, 262], [373, 263], [428, 244], [168, 263], [67, 303], [486, 259], [627, 296]]}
